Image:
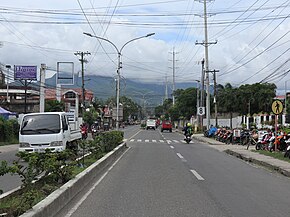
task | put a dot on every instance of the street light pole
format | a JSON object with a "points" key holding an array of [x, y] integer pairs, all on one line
{"points": [[119, 65]]}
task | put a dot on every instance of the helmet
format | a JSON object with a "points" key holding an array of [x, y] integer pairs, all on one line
{"points": [[188, 124]]}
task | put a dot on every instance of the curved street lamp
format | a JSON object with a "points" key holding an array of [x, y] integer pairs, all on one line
{"points": [[119, 65]]}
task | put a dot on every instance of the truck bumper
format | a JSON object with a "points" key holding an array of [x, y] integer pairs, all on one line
{"points": [[41, 149]]}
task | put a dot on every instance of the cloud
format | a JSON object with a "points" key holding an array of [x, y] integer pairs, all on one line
{"points": [[238, 28]]}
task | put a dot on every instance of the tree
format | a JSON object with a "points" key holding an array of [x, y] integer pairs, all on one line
{"points": [[54, 106]]}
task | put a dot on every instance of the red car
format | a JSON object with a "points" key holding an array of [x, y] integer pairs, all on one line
{"points": [[166, 125]]}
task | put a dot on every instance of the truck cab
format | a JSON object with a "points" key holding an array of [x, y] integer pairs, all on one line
{"points": [[48, 130]]}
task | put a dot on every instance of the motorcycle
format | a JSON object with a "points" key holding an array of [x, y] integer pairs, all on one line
{"points": [[84, 133], [187, 138], [94, 132], [266, 143]]}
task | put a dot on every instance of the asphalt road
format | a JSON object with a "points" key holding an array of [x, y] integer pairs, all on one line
{"points": [[9, 182], [160, 175]]}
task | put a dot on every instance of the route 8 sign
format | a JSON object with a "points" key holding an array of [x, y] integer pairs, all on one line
{"points": [[201, 110]]}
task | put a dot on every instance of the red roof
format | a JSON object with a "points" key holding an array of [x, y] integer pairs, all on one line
{"points": [[50, 94]]}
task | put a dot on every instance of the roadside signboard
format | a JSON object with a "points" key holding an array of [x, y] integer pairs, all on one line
{"points": [[201, 110], [277, 107], [25, 72]]}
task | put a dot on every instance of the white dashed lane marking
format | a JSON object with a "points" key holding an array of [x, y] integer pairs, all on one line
{"points": [[199, 177]]}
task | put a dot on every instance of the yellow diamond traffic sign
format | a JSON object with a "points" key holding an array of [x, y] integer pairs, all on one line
{"points": [[277, 107]]}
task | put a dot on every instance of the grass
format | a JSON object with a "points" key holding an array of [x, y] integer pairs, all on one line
{"points": [[13, 141], [277, 155]]}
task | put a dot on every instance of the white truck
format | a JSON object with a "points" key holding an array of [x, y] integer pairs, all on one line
{"points": [[48, 130]]}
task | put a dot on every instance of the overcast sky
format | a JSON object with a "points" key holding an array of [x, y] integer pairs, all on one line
{"points": [[252, 37]]}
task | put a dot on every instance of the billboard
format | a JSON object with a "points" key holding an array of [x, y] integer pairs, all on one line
{"points": [[25, 72], [65, 73]]}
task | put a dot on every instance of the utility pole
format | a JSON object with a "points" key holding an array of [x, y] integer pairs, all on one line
{"points": [[215, 96], [42, 88], [82, 60], [7, 84], [206, 44], [173, 79], [166, 88]]}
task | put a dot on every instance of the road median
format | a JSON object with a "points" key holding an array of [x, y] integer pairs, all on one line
{"points": [[57, 200]]}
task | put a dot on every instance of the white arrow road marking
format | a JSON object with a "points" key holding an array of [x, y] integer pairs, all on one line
{"points": [[199, 177]]}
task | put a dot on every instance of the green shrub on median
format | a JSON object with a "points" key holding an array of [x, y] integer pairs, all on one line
{"points": [[56, 168]]}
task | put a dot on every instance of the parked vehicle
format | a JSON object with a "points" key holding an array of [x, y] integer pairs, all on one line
{"points": [[211, 132], [265, 142], [166, 125], [151, 124], [48, 130]]}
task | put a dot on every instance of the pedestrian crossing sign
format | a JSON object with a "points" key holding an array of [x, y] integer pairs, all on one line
{"points": [[277, 107]]}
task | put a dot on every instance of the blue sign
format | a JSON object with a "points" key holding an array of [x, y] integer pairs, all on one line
{"points": [[25, 72]]}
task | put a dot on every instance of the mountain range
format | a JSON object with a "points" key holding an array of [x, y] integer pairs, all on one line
{"points": [[105, 87]]}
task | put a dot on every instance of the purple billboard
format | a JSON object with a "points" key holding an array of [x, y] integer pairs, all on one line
{"points": [[25, 72]]}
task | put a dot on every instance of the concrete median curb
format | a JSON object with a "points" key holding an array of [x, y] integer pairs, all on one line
{"points": [[58, 199]]}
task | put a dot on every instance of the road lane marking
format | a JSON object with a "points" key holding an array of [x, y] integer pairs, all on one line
{"points": [[181, 157], [175, 141], [199, 177], [161, 140], [139, 140], [94, 186], [168, 141], [132, 140], [135, 134], [154, 140], [172, 147], [125, 140], [146, 140]]}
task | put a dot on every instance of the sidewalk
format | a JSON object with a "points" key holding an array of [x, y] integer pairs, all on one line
{"points": [[241, 152]]}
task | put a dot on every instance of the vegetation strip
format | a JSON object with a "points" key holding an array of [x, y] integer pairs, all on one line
{"points": [[57, 169]]}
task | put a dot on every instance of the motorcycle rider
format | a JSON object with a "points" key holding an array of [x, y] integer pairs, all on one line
{"points": [[188, 131], [84, 130]]}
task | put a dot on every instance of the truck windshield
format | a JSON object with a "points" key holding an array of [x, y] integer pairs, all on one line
{"points": [[40, 124]]}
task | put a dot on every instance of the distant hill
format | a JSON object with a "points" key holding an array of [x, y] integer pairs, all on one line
{"points": [[105, 87]]}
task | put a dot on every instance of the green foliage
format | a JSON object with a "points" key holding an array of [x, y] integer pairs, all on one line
{"points": [[110, 140], [57, 169], [59, 165], [9, 130], [248, 98], [54, 106], [90, 116]]}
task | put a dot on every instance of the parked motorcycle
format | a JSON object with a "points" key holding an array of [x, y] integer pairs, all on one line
{"points": [[266, 143]]}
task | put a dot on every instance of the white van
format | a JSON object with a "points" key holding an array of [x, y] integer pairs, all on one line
{"points": [[48, 130]]}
